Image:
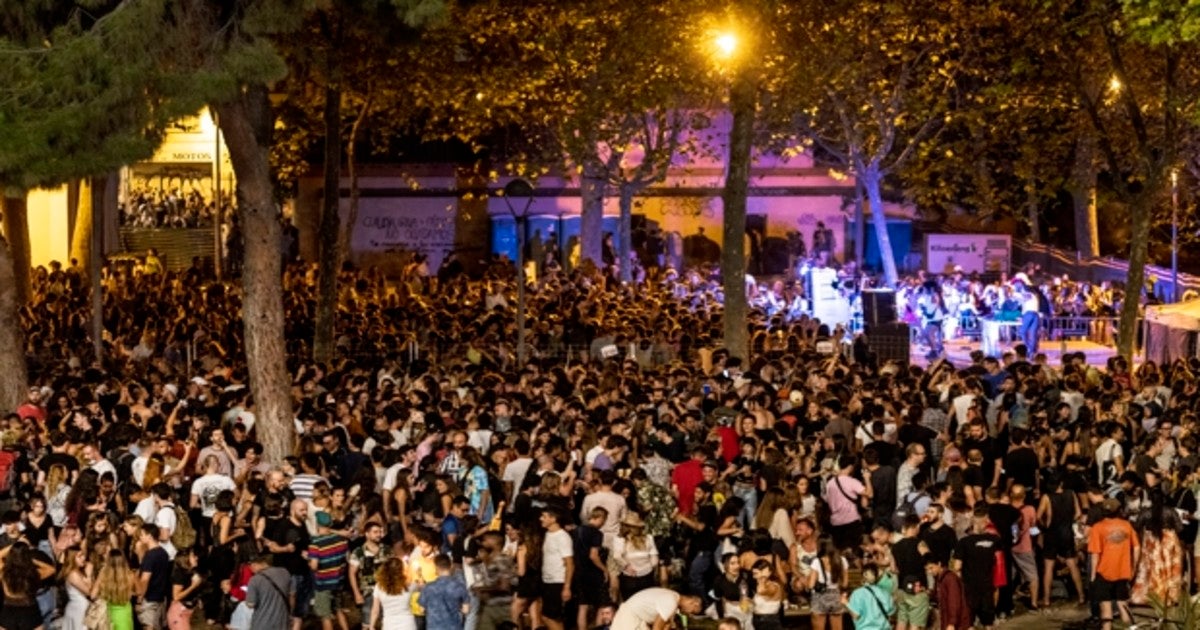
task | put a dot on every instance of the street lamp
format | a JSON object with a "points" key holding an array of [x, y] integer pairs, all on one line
{"points": [[517, 190], [1174, 235]]}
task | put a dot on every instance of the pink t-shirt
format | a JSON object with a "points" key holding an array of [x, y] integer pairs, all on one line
{"points": [[843, 503], [1024, 542]]}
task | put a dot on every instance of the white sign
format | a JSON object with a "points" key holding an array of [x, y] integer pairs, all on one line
{"points": [[827, 302], [978, 253], [405, 225]]}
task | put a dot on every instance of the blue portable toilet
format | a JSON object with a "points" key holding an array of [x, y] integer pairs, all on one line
{"points": [[547, 223], [504, 236], [568, 228]]}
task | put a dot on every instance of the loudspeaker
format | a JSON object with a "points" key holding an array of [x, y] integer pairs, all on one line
{"points": [[890, 341], [879, 306]]}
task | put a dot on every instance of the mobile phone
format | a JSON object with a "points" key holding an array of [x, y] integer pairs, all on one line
{"points": [[706, 388]]}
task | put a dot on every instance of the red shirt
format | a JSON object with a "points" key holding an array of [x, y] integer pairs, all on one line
{"points": [[729, 443], [952, 601], [686, 477]]}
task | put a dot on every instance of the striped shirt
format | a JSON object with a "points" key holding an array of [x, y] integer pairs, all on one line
{"points": [[302, 485], [330, 551]]}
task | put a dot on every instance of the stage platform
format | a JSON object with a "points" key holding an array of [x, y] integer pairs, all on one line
{"points": [[959, 351]]}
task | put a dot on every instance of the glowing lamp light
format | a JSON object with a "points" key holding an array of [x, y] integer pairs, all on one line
{"points": [[727, 44], [1114, 84]]}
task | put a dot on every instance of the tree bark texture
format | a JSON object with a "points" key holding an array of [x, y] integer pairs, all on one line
{"points": [[733, 247], [1083, 200], [626, 244], [591, 216], [860, 225], [1140, 209], [85, 219], [16, 230], [13, 378], [95, 192], [329, 241], [246, 123], [872, 180]]}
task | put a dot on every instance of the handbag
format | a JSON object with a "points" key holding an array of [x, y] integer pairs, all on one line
{"points": [[863, 513], [96, 617]]}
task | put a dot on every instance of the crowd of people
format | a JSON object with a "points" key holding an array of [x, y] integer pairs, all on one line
{"points": [[631, 474], [152, 208]]}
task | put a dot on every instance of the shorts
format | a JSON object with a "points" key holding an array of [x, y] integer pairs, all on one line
{"points": [[827, 602], [323, 604], [552, 601], [1027, 565], [912, 608], [848, 536], [591, 590], [303, 587], [1109, 590], [981, 603], [150, 615]]}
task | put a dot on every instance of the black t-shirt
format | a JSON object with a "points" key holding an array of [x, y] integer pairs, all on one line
{"points": [[1004, 517], [916, 434], [157, 563], [1021, 466], [285, 532], [909, 563], [978, 555], [588, 538], [183, 578], [883, 484], [973, 476], [988, 449], [728, 590], [888, 453], [940, 541], [706, 539], [50, 459]]}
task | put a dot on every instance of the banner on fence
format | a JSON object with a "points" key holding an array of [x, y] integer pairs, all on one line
{"points": [[979, 253]]}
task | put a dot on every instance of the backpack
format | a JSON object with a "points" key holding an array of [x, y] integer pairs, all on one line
{"points": [[8, 472], [184, 536], [908, 506]]}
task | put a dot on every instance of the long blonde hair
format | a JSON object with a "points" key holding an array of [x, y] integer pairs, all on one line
{"points": [[116, 580], [55, 478]]}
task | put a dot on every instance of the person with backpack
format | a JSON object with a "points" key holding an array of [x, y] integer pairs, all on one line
{"points": [[168, 520], [913, 503]]}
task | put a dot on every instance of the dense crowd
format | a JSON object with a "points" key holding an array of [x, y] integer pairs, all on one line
{"points": [[631, 475], [151, 208]]}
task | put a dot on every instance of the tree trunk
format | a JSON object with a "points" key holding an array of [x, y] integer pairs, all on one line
{"points": [[591, 215], [16, 230], [352, 171], [1140, 209], [13, 378], [95, 191], [872, 180], [246, 123], [737, 185], [626, 204], [1083, 200], [860, 225], [85, 219], [1033, 214], [329, 242]]}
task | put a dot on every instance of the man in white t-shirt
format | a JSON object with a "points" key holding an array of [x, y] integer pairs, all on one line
{"points": [[96, 461], [164, 517], [558, 569], [208, 486], [654, 609], [515, 471], [612, 502], [1110, 457]]}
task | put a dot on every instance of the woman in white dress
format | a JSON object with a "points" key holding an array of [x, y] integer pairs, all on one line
{"points": [[391, 605], [77, 575]]}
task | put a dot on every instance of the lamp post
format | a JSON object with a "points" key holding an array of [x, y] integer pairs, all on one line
{"points": [[516, 190], [1175, 236], [732, 55]]}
